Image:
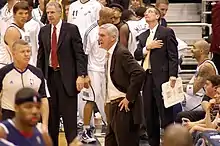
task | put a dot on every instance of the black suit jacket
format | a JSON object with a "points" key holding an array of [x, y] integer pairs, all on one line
{"points": [[164, 61], [127, 76], [71, 57]]}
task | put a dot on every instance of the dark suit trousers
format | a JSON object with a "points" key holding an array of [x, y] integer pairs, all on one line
{"points": [[61, 105], [153, 109], [121, 130]]}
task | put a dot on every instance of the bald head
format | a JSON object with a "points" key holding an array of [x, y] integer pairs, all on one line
{"points": [[177, 135], [106, 15], [203, 46]]}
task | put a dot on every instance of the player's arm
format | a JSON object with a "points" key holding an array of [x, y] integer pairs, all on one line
{"points": [[204, 73], [47, 139], [11, 35], [124, 34], [3, 133]]}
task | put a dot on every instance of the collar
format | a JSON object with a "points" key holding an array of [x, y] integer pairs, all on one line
{"points": [[111, 50], [154, 29], [58, 26]]}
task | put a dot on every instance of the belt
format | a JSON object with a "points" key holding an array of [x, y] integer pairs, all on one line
{"points": [[55, 69], [149, 71], [117, 100]]}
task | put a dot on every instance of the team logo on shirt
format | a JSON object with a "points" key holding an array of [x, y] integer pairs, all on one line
{"points": [[31, 82]]}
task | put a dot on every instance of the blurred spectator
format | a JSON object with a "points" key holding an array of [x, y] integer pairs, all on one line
{"points": [[162, 5], [176, 135], [123, 3], [134, 4], [2, 3]]}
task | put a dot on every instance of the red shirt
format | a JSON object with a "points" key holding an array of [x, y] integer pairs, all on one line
{"points": [[215, 44]]}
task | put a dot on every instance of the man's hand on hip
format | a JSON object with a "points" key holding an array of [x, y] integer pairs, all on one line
{"points": [[80, 83], [124, 104]]}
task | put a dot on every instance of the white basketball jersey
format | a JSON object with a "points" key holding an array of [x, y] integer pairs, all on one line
{"points": [[135, 28], [96, 55], [83, 15], [6, 18], [32, 28], [37, 13], [5, 55]]}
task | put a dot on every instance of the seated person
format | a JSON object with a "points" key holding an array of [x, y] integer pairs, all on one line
{"points": [[195, 91], [212, 117], [210, 90]]}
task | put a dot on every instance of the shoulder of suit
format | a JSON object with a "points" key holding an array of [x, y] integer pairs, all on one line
{"points": [[122, 49]]}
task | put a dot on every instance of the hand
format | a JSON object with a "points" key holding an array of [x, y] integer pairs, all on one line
{"points": [[155, 44], [124, 104], [87, 82], [44, 128], [80, 83], [75, 142], [172, 82]]}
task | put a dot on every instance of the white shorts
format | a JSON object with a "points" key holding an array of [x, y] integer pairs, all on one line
{"points": [[97, 90]]}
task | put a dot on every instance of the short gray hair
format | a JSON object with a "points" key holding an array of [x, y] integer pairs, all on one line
{"points": [[19, 42], [111, 29], [55, 4]]}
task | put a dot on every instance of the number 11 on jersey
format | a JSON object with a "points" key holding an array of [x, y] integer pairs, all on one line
{"points": [[75, 13]]}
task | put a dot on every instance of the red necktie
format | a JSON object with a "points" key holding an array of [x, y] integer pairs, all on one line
{"points": [[54, 60]]}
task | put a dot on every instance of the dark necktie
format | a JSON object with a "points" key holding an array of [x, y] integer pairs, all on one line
{"points": [[54, 60], [106, 75]]}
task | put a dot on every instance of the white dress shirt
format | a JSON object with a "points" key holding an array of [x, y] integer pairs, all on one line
{"points": [[113, 92], [58, 27]]}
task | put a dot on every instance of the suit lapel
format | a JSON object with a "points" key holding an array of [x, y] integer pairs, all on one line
{"points": [[147, 33], [48, 40], [61, 36], [157, 33], [112, 67]]}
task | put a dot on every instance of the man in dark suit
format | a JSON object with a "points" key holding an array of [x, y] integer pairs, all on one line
{"points": [[64, 65], [124, 82], [157, 48]]}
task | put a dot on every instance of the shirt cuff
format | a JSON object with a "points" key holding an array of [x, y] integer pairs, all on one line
{"points": [[145, 51]]}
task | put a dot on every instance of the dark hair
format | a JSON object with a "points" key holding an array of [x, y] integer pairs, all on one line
{"points": [[140, 11], [215, 80], [120, 7], [22, 5], [26, 95], [126, 15]]}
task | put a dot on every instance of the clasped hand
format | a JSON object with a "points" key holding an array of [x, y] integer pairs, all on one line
{"points": [[155, 44]]}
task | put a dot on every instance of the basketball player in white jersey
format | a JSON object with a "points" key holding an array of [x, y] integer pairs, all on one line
{"points": [[96, 72], [32, 27], [38, 12], [16, 30], [83, 13], [6, 18], [130, 30], [206, 68]]}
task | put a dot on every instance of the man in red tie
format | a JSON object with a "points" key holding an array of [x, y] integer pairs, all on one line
{"points": [[64, 64]]}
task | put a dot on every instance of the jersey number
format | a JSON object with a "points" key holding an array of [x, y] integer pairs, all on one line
{"points": [[75, 13]]}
